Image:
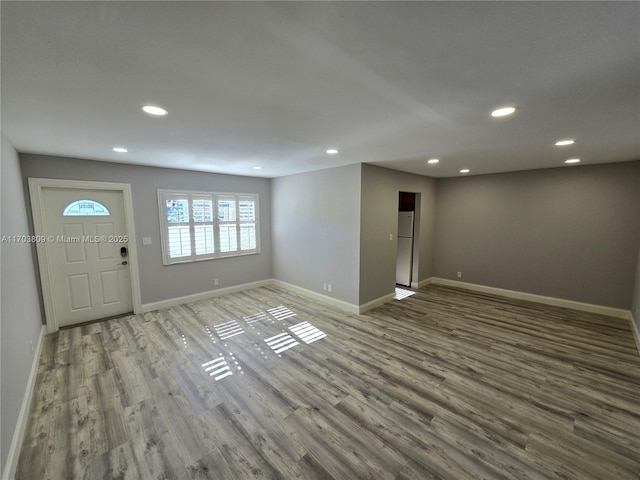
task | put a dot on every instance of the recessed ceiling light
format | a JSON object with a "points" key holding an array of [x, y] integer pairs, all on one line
{"points": [[153, 110], [572, 160], [332, 151], [503, 111], [564, 143], [433, 160], [465, 170], [120, 149], [257, 168]]}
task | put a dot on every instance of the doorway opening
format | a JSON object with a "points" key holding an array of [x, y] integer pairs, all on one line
{"points": [[408, 236]]}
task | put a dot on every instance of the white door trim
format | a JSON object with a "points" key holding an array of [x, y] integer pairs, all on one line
{"points": [[36, 185]]}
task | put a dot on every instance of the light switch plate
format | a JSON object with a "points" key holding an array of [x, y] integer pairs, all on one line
{"points": [[146, 240]]}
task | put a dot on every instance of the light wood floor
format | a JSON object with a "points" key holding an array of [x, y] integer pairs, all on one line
{"points": [[444, 384]]}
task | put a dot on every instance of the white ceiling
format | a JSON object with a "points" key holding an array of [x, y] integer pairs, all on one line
{"points": [[276, 84]]}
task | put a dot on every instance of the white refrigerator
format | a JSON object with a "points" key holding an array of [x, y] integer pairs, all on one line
{"points": [[405, 248]]}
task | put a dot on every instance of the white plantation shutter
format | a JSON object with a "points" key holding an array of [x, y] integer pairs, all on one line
{"points": [[203, 237], [202, 225], [247, 222], [203, 220], [228, 223], [176, 211], [179, 242]]}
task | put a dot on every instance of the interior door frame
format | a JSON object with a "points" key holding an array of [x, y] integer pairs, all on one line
{"points": [[417, 226], [36, 186]]}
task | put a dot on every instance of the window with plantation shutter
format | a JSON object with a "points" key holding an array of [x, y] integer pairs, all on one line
{"points": [[177, 219], [247, 223], [204, 225]]}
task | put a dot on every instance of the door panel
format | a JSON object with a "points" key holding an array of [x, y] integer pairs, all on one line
{"points": [[106, 251], [88, 278], [110, 284], [74, 252], [79, 292]]}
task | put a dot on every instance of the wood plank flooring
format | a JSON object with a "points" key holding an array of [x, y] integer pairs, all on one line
{"points": [[445, 384]]}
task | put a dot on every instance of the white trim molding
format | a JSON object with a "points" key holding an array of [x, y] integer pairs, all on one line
{"points": [[557, 302], [365, 307], [422, 283], [172, 302], [360, 309], [349, 307], [634, 329], [36, 185], [11, 464], [346, 306]]}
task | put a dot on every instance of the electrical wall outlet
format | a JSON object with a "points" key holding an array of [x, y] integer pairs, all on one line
{"points": [[329, 287], [216, 281], [324, 287], [459, 274]]}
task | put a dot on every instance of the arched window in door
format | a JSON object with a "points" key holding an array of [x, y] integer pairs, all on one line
{"points": [[85, 208]]}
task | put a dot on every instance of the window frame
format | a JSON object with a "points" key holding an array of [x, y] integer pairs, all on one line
{"points": [[166, 194]]}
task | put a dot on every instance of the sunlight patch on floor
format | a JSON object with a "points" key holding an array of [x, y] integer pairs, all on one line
{"points": [[403, 293]]}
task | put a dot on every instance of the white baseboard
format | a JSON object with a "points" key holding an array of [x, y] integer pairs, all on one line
{"points": [[349, 307], [359, 309], [422, 283], [11, 464], [346, 306], [557, 302], [634, 329], [376, 303], [172, 302]]}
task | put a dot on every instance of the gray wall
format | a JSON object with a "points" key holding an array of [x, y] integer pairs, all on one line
{"points": [[569, 233], [157, 281], [316, 231], [21, 321], [380, 189]]}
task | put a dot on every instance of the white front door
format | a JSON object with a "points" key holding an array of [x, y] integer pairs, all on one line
{"points": [[87, 251]]}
